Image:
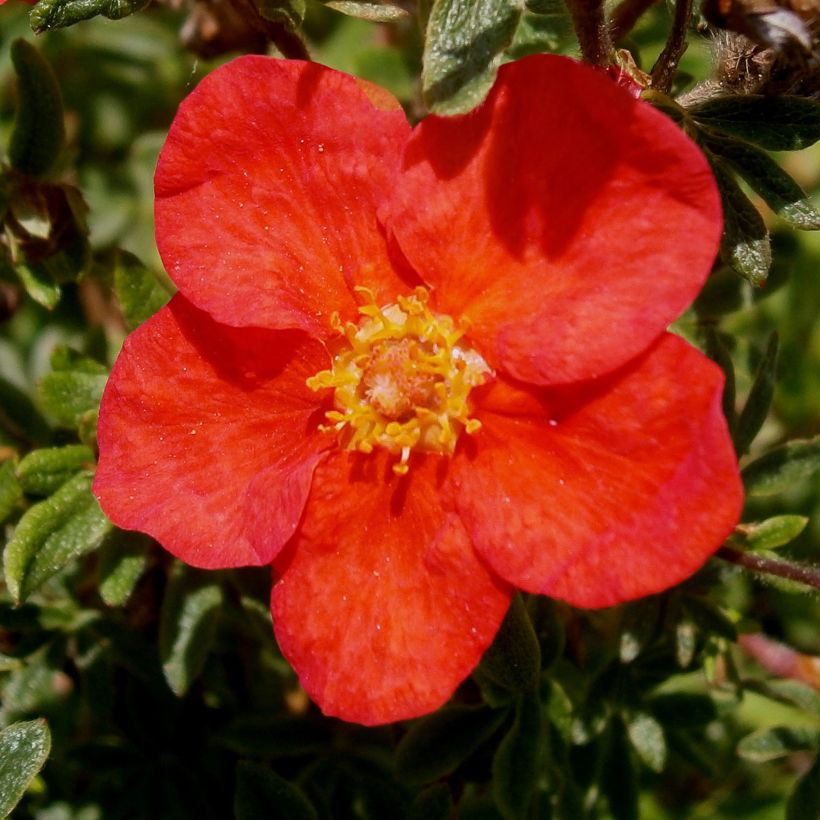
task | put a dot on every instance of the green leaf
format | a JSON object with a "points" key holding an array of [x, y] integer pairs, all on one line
{"points": [[19, 417], [549, 30], [68, 524], [434, 803], [805, 798], [647, 738], [187, 627], [640, 621], [745, 244], [73, 388], [290, 13], [790, 692], [513, 661], [717, 351], [435, 745], [49, 14], [778, 741], [686, 638], [262, 794], [43, 472], [39, 284], [140, 291], [24, 748], [760, 399], [782, 468], [778, 190], [711, 618], [123, 557], [39, 129], [376, 12], [10, 490], [516, 765], [777, 123], [463, 48], [683, 709], [773, 532]]}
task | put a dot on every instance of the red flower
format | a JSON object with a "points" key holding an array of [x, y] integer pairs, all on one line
{"points": [[416, 369]]}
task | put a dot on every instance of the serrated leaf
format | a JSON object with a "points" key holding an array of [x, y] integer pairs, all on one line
{"points": [[44, 471], [435, 745], [759, 400], [745, 245], [778, 741], [48, 14], [647, 738], [516, 768], [717, 351], [777, 123], [782, 468], [187, 626], [434, 803], [68, 524], [463, 48], [766, 178], [24, 749], [39, 129], [376, 12], [123, 557], [140, 291], [10, 490], [262, 794], [773, 532], [804, 800], [73, 388], [513, 661]]}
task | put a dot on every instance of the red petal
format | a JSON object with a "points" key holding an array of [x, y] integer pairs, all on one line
{"points": [[206, 436], [627, 491], [267, 189], [384, 607], [568, 221]]}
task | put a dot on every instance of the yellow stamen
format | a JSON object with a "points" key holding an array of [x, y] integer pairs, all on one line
{"points": [[401, 380]]}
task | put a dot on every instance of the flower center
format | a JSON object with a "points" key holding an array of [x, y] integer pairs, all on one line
{"points": [[401, 380]]}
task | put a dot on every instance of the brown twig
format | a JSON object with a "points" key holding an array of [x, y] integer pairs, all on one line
{"points": [[591, 30], [802, 573], [626, 14], [663, 72]]}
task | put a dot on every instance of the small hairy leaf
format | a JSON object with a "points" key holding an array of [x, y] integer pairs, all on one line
{"points": [[123, 556], [66, 525], [782, 468], [262, 794], [777, 123], [39, 284], [140, 291], [639, 624], [647, 738], [778, 741], [73, 388], [435, 745], [760, 399], [773, 532], [745, 245], [24, 748], [187, 625], [377, 12], [44, 471], [39, 129], [463, 48], [516, 768], [49, 14]]}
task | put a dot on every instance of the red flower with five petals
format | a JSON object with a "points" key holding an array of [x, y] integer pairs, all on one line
{"points": [[416, 369]]}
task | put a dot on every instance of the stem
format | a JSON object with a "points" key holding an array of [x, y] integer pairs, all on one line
{"points": [[591, 30], [663, 72], [802, 573], [627, 13]]}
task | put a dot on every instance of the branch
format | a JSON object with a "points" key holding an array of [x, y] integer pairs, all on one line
{"points": [[627, 13], [591, 30], [663, 72], [802, 573]]}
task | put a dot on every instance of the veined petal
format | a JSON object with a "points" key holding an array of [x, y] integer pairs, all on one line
{"points": [[383, 607], [568, 221], [615, 490], [196, 421], [267, 190]]}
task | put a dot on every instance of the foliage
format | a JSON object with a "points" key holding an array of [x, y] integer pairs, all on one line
{"points": [[148, 689]]}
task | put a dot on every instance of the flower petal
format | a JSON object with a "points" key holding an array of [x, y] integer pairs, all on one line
{"points": [[196, 420], [616, 490], [267, 189], [383, 607], [569, 222]]}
